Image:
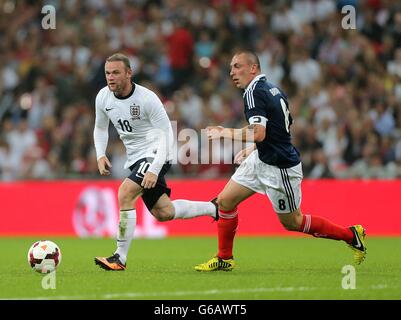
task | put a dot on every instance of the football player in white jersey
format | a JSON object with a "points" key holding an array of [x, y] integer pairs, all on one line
{"points": [[145, 129]]}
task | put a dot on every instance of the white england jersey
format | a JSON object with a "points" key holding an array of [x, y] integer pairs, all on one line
{"points": [[141, 122]]}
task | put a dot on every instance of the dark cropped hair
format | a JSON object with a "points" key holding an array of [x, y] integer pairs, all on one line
{"points": [[252, 57]]}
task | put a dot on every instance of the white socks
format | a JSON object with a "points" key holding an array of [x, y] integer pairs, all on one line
{"points": [[125, 233], [185, 209]]}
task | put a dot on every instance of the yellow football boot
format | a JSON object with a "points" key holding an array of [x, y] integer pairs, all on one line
{"points": [[358, 244], [216, 264]]}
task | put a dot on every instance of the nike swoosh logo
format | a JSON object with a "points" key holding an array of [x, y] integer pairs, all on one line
{"points": [[109, 109], [359, 244]]}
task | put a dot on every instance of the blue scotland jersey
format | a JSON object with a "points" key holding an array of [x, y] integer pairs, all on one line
{"points": [[267, 105]]}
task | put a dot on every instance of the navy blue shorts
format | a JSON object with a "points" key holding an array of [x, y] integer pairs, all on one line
{"points": [[150, 196]]}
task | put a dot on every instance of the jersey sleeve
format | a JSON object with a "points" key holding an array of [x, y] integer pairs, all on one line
{"points": [[101, 130], [163, 130], [256, 107]]}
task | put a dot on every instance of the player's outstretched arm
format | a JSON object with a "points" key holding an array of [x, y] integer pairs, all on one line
{"points": [[250, 133], [104, 166]]}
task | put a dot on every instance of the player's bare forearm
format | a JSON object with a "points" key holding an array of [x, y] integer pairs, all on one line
{"points": [[245, 134], [250, 133]]}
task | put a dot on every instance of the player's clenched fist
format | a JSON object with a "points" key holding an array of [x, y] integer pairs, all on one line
{"points": [[104, 166]]}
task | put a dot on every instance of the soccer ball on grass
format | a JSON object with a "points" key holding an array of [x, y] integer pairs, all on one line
{"points": [[44, 256]]}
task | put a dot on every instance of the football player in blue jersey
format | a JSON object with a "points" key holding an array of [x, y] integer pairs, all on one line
{"points": [[272, 166]]}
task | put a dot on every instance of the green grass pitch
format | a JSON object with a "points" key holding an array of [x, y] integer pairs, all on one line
{"points": [[267, 268]]}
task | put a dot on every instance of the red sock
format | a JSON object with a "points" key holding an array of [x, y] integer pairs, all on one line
{"points": [[226, 228], [322, 228]]}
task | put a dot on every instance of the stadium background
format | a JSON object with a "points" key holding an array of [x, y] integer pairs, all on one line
{"points": [[343, 84], [345, 95]]}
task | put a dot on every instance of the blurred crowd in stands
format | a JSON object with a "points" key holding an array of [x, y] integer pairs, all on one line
{"points": [[344, 85]]}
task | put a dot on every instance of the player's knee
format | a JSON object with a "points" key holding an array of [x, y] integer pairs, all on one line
{"points": [[225, 204], [123, 192], [162, 215]]}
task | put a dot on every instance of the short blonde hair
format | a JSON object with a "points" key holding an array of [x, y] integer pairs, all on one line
{"points": [[120, 57]]}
